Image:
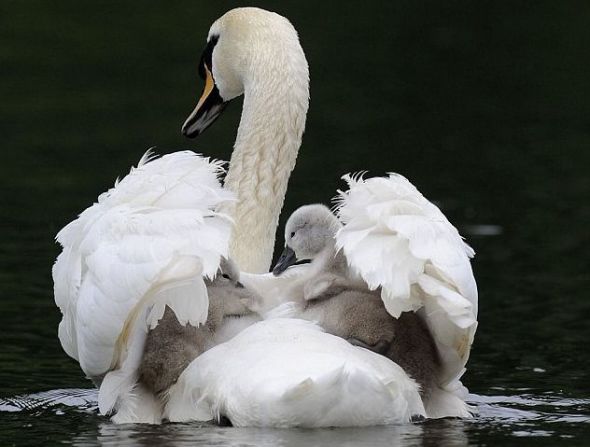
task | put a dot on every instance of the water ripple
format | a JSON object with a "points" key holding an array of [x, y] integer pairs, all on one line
{"points": [[514, 416]]}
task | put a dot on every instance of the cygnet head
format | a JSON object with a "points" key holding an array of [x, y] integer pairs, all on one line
{"points": [[308, 231], [228, 274], [246, 48]]}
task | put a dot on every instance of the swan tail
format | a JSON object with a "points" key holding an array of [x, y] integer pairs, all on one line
{"points": [[308, 387], [339, 398]]}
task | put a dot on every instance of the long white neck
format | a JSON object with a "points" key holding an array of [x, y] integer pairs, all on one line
{"points": [[276, 99]]}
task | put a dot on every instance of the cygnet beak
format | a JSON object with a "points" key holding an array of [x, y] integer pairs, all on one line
{"points": [[286, 260]]}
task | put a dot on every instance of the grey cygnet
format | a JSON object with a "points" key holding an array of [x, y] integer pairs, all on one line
{"points": [[344, 306], [170, 346]]}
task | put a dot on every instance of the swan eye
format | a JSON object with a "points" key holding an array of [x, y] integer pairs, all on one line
{"points": [[206, 61], [225, 275], [292, 234]]}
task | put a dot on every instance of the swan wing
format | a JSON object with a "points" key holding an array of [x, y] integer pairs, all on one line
{"points": [[397, 240], [286, 372], [147, 242]]}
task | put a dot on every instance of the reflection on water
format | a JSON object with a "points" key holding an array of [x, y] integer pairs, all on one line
{"points": [[501, 416], [187, 434], [79, 399]]}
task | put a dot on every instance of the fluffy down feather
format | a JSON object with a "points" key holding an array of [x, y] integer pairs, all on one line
{"points": [[134, 250], [399, 241]]}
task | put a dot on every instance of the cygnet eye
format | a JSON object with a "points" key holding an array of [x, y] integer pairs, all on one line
{"points": [[292, 234], [225, 275]]}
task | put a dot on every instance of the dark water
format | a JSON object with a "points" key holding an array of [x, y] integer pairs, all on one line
{"points": [[485, 106]]}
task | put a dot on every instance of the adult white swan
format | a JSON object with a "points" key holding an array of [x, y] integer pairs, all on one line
{"points": [[151, 239]]}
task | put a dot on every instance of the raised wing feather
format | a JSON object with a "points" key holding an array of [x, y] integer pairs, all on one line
{"points": [[155, 229], [392, 232], [397, 240]]}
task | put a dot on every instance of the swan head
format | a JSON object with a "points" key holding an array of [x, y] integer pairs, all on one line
{"points": [[308, 232], [246, 48]]}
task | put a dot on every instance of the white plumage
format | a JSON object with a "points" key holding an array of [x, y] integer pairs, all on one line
{"points": [[286, 372], [397, 240], [146, 243], [149, 241]]}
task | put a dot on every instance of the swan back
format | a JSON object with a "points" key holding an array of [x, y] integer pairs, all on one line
{"points": [[289, 373]]}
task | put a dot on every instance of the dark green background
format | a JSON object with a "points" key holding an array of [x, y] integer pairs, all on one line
{"points": [[484, 106]]}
